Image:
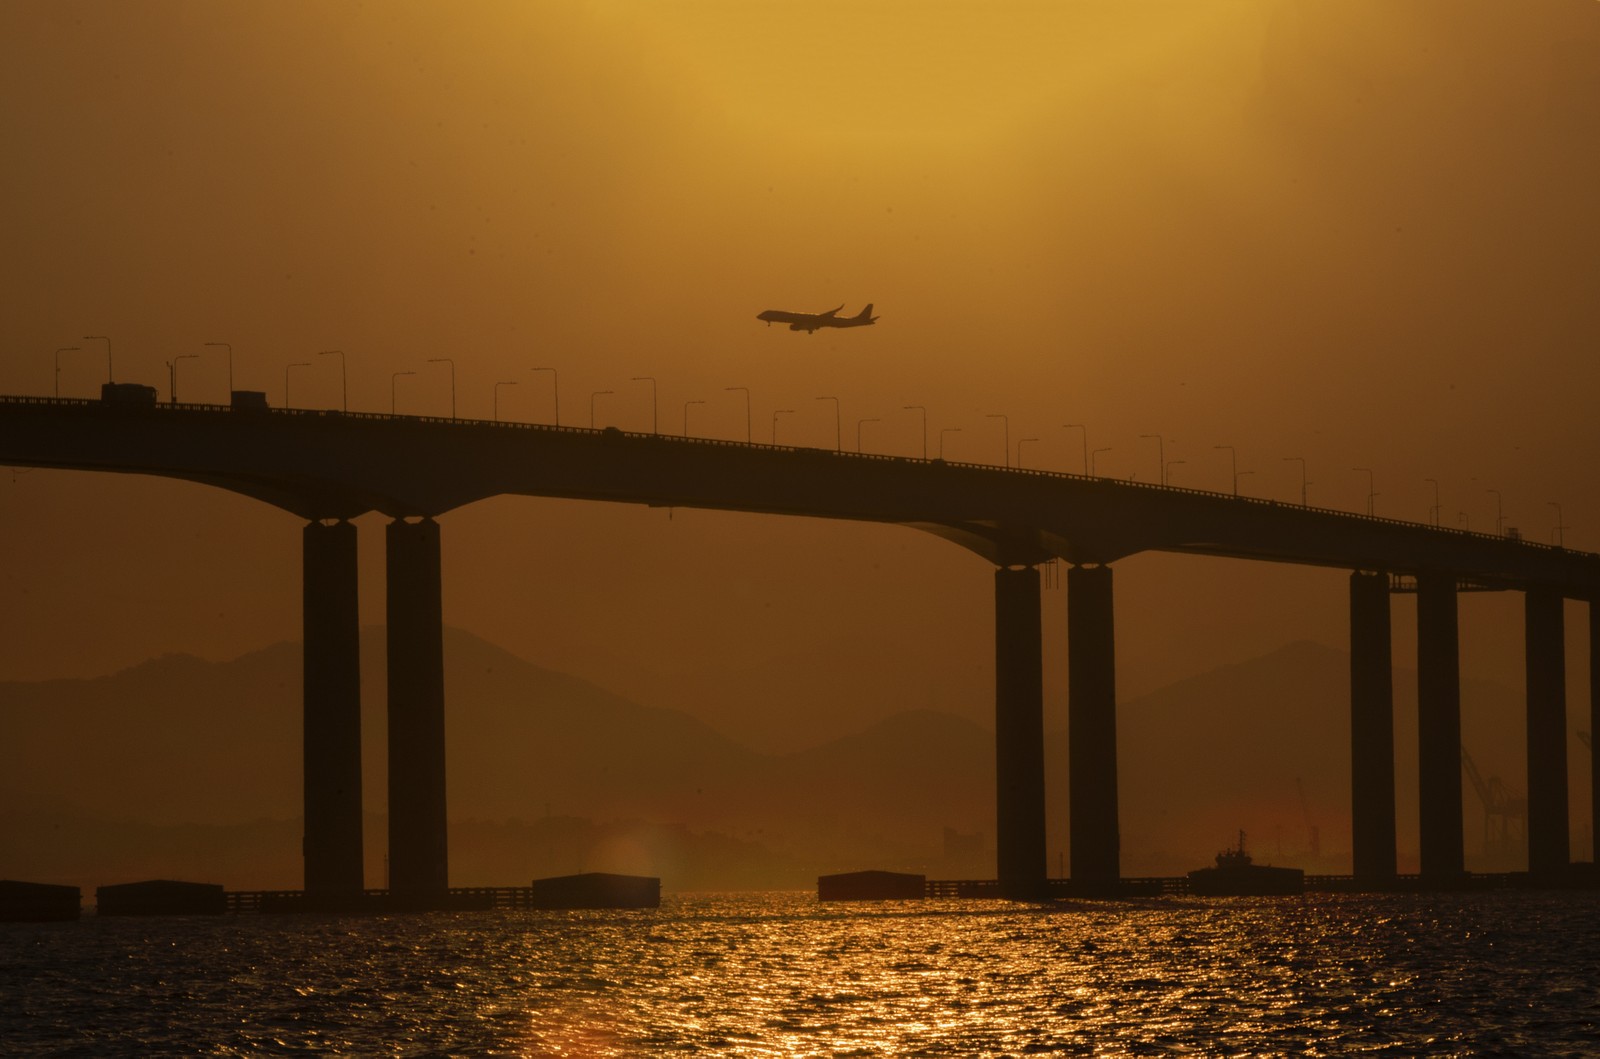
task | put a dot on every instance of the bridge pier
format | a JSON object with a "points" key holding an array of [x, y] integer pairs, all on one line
{"points": [[1095, 841], [1021, 856], [1439, 728], [331, 730], [418, 833], [1548, 853], [1372, 813], [1594, 729]]}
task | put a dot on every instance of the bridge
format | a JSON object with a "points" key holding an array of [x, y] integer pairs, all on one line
{"points": [[329, 467]]}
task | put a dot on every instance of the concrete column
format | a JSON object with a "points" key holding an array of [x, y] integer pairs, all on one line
{"points": [[1021, 858], [332, 702], [1371, 729], [1439, 727], [1594, 729], [418, 836], [1546, 667], [1095, 842]]}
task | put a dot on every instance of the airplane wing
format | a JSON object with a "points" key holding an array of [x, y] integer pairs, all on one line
{"points": [[832, 312]]}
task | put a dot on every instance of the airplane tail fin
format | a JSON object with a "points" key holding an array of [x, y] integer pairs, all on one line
{"points": [[866, 314]]}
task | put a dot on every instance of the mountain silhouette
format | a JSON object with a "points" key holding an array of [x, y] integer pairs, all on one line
{"points": [[179, 750]]}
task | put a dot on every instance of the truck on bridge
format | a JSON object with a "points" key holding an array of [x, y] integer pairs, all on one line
{"points": [[127, 393]]}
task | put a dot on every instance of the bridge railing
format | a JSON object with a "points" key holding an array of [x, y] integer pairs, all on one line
{"points": [[168, 408]]}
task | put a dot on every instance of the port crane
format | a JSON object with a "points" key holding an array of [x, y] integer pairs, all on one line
{"points": [[1505, 813]]}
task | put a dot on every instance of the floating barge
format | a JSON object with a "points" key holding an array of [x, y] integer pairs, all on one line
{"points": [[872, 886], [596, 889], [28, 902], [161, 897]]}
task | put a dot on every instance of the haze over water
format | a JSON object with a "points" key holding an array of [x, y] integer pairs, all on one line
{"points": [[780, 975]]}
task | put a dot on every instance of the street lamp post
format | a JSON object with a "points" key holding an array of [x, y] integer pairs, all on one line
{"points": [[555, 391], [1233, 457], [1499, 513], [837, 441], [873, 419], [592, 397], [450, 361], [172, 365], [1085, 431], [286, 369], [497, 386], [746, 391], [1370, 493], [1241, 474], [686, 405], [775, 415], [344, 379], [107, 341], [1561, 534], [1161, 456], [1093, 460], [1021, 442], [924, 411], [942, 432], [1005, 422], [63, 349], [1435, 512], [394, 380], [653, 413], [1167, 479], [229, 347], [1301, 460]]}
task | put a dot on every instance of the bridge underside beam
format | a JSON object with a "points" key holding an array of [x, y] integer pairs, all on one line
{"points": [[418, 833], [332, 704], [1547, 732], [1439, 727], [1372, 811], [1095, 841], [1021, 859]]}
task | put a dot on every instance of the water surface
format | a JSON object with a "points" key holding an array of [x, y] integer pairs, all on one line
{"points": [[781, 975]]}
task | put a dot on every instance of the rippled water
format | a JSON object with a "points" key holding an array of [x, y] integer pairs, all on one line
{"points": [[779, 974]]}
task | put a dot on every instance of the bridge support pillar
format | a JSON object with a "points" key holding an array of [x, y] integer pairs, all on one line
{"points": [[1439, 728], [331, 731], [418, 833], [1547, 732], [1594, 729], [1095, 841], [1021, 857], [1372, 813]]}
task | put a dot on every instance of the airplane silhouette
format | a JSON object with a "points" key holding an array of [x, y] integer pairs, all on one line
{"points": [[809, 322]]}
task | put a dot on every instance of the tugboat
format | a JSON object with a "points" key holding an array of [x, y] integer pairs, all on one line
{"points": [[1236, 875]]}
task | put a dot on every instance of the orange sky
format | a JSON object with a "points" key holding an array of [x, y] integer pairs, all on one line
{"points": [[1362, 233]]}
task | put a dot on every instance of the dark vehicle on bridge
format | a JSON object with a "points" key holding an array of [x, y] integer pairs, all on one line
{"points": [[249, 401], [127, 393]]}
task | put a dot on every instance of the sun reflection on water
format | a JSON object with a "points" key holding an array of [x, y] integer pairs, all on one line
{"points": [[781, 975]]}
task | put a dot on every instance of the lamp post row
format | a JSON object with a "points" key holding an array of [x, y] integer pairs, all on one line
{"points": [[1089, 457]]}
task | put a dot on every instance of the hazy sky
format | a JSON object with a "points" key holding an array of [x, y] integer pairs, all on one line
{"points": [[1361, 233]]}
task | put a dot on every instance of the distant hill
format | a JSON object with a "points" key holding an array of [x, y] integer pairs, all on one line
{"points": [[1233, 748], [807, 697], [177, 746]]}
